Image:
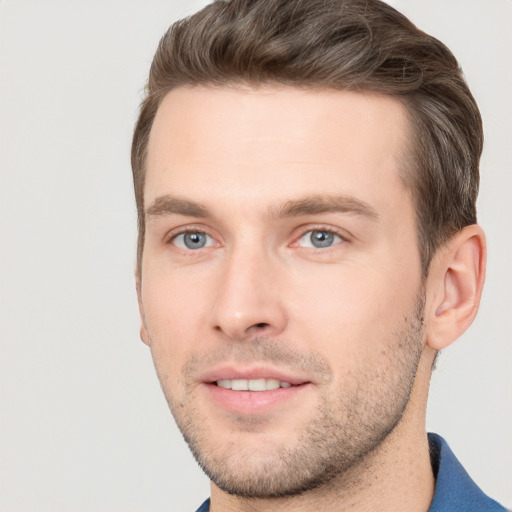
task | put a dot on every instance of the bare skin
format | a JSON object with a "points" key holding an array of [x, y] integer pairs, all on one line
{"points": [[281, 247]]}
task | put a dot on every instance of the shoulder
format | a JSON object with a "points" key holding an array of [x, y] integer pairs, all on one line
{"points": [[455, 490]]}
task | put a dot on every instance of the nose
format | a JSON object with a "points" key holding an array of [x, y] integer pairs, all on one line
{"points": [[249, 301]]}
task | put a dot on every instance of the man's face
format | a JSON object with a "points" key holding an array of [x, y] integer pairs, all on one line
{"points": [[281, 288]]}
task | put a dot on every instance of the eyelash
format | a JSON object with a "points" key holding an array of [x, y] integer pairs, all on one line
{"points": [[304, 231], [321, 229], [175, 234]]}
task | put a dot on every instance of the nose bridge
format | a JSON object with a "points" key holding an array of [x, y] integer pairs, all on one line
{"points": [[248, 294]]}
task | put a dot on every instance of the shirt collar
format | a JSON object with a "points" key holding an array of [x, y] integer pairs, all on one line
{"points": [[455, 490]]}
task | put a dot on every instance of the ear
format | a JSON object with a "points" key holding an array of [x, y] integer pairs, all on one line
{"points": [[144, 336], [458, 274]]}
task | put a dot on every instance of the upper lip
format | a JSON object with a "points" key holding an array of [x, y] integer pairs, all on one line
{"points": [[231, 372]]}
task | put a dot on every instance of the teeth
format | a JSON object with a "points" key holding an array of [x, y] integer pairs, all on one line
{"points": [[252, 384], [271, 384], [239, 385], [257, 385]]}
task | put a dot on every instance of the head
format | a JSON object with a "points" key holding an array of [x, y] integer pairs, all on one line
{"points": [[306, 175]]}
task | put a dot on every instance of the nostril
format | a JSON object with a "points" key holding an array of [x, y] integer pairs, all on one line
{"points": [[261, 325]]}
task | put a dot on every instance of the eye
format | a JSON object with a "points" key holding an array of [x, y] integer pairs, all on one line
{"points": [[192, 240], [319, 239]]}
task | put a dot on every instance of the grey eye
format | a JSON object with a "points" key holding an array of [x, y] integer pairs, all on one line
{"points": [[193, 240], [319, 239]]}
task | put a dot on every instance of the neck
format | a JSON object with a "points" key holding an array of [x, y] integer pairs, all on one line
{"points": [[396, 476]]}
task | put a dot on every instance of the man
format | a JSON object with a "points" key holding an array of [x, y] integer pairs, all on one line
{"points": [[306, 175]]}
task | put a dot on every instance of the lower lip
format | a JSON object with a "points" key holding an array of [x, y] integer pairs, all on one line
{"points": [[254, 402]]}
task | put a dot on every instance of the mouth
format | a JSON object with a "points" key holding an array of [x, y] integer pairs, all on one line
{"points": [[254, 392]]}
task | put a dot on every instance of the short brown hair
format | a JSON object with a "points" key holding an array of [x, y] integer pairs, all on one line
{"points": [[339, 44]]}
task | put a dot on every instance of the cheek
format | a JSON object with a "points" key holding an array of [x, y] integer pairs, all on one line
{"points": [[352, 312], [174, 309]]}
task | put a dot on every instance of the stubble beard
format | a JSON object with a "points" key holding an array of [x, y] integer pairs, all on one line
{"points": [[340, 436]]}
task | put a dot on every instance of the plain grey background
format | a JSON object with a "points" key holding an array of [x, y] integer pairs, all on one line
{"points": [[83, 423]]}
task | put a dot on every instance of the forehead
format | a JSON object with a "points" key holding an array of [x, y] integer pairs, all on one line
{"points": [[264, 144]]}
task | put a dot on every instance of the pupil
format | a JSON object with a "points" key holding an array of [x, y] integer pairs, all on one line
{"points": [[321, 238], [194, 240]]}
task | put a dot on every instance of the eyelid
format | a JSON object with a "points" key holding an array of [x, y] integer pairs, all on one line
{"points": [[209, 242], [304, 230], [301, 231], [172, 234]]}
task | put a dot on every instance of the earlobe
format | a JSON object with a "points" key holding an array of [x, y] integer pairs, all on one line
{"points": [[459, 274], [144, 336]]}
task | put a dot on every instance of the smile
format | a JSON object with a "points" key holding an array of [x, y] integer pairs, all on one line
{"points": [[252, 384]]}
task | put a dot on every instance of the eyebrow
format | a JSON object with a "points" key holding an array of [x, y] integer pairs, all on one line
{"points": [[311, 205], [170, 205], [317, 204]]}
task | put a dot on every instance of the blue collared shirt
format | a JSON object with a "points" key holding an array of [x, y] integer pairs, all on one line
{"points": [[455, 490]]}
